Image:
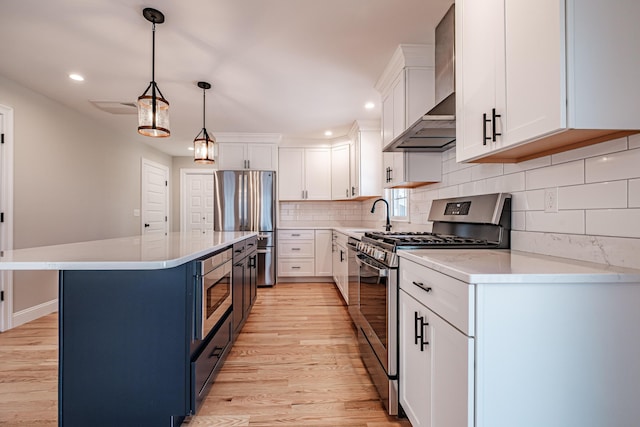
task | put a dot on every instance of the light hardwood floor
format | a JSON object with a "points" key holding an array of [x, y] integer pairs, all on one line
{"points": [[295, 363]]}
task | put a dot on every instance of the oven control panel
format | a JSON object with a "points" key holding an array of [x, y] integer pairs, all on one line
{"points": [[457, 208]]}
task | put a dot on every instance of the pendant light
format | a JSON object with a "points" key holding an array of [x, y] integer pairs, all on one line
{"points": [[203, 144], [153, 109]]}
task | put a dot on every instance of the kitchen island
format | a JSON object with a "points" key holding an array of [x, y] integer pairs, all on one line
{"points": [[127, 322], [499, 338]]}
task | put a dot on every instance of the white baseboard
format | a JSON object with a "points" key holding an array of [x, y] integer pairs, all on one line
{"points": [[32, 313]]}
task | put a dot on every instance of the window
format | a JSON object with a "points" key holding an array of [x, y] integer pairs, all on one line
{"points": [[398, 203]]}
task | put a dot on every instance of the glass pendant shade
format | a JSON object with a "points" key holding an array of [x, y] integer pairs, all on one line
{"points": [[153, 108], [203, 147], [153, 114]]}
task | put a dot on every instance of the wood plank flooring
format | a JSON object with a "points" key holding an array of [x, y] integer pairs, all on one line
{"points": [[295, 363]]}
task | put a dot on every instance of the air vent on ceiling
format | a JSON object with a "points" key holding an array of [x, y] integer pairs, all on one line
{"points": [[116, 107]]}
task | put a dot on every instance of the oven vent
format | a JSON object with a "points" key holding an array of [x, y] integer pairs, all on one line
{"points": [[116, 107]]}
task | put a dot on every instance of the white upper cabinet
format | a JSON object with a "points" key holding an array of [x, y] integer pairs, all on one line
{"points": [[537, 78], [235, 156], [405, 170], [305, 174], [340, 174], [407, 88], [366, 160]]}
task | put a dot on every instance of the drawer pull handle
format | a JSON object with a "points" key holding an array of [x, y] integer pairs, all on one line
{"points": [[421, 285], [295, 235], [294, 267], [295, 249]]}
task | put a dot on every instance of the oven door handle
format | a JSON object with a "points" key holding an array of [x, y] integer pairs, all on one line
{"points": [[362, 260]]}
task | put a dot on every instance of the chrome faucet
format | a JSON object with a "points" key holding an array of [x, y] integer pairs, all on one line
{"points": [[387, 227]]}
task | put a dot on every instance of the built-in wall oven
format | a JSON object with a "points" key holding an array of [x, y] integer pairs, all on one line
{"points": [[212, 325], [473, 222]]}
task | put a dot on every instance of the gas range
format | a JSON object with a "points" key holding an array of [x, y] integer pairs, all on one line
{"points": [[473, 222]]}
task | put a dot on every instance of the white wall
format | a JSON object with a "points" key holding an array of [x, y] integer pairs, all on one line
{"points": [[74, 180]]}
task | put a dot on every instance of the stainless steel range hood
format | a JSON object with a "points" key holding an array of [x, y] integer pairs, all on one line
{"points": [[436, 130]]}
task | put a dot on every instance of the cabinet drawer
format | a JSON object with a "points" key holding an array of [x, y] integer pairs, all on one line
{"points": [[296, 249], [451, 299], [296, 234], [296, 267]]}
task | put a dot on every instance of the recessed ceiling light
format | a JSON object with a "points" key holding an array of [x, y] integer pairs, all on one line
{"points": [[76, 77], [369, 105], [190, 148], [328, 133]]}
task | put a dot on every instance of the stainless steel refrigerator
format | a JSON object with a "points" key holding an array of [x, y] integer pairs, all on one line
{"points": [[246, 201]]}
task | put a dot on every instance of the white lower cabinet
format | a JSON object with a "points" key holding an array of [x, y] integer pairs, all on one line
{"points": [[296, 253], [304, 253], [341, 264], [552, 350], [323, 253], [434, 368]]}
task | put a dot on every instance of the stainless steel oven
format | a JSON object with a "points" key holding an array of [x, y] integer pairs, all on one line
{"points": [[472, 222], [213, 298], [377, 331]]}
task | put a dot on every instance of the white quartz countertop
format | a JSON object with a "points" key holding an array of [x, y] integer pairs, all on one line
{"points": [[507, 266], [147, 252]]}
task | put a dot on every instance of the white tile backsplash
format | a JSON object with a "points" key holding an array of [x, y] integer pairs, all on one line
{"points": [[595, 150], [622, 165], [556, 175], [571, 222], [593, 196], [614, 222], [634, 193]]}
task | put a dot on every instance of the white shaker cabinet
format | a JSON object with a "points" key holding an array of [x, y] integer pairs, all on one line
{"points": [[537, 78], [305, 174], [340, 174], [403, 169], [239, 156], [340, 264], [366, 160], [323, 245], [532, 341], [434, 367]]}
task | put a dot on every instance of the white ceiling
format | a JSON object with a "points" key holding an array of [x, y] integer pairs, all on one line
{"points": [[292, 67]]}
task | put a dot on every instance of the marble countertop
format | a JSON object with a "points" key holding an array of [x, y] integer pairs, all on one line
{"points": [[508, 266], [148, 252]]}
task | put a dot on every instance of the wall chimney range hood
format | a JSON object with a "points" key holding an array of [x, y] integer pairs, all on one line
{"points": [[436, 130]]}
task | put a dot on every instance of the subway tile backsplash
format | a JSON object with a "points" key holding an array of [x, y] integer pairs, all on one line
{"points": [[598, 216]]}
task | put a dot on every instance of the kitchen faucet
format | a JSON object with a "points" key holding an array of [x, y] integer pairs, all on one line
{"points": [[387, 227]]}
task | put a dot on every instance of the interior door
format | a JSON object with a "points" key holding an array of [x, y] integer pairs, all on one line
{"points": [[155, 198], [198, 203], [6, 207]]}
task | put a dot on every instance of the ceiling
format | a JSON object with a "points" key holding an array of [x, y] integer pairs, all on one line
{"points": [[290, 67]]}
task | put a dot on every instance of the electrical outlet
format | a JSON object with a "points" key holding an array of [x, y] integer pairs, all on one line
{"points": [[551, 200]]}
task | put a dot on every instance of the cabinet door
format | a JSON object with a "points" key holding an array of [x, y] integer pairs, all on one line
{"points": [[317, 173], [323, 253], [261, 157], [237, 293], [340, 172], [369, 165], [291, 180], [399, 106], [231, 156], [479, 36], [387, 119], [535, 70], [415, 364]]}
